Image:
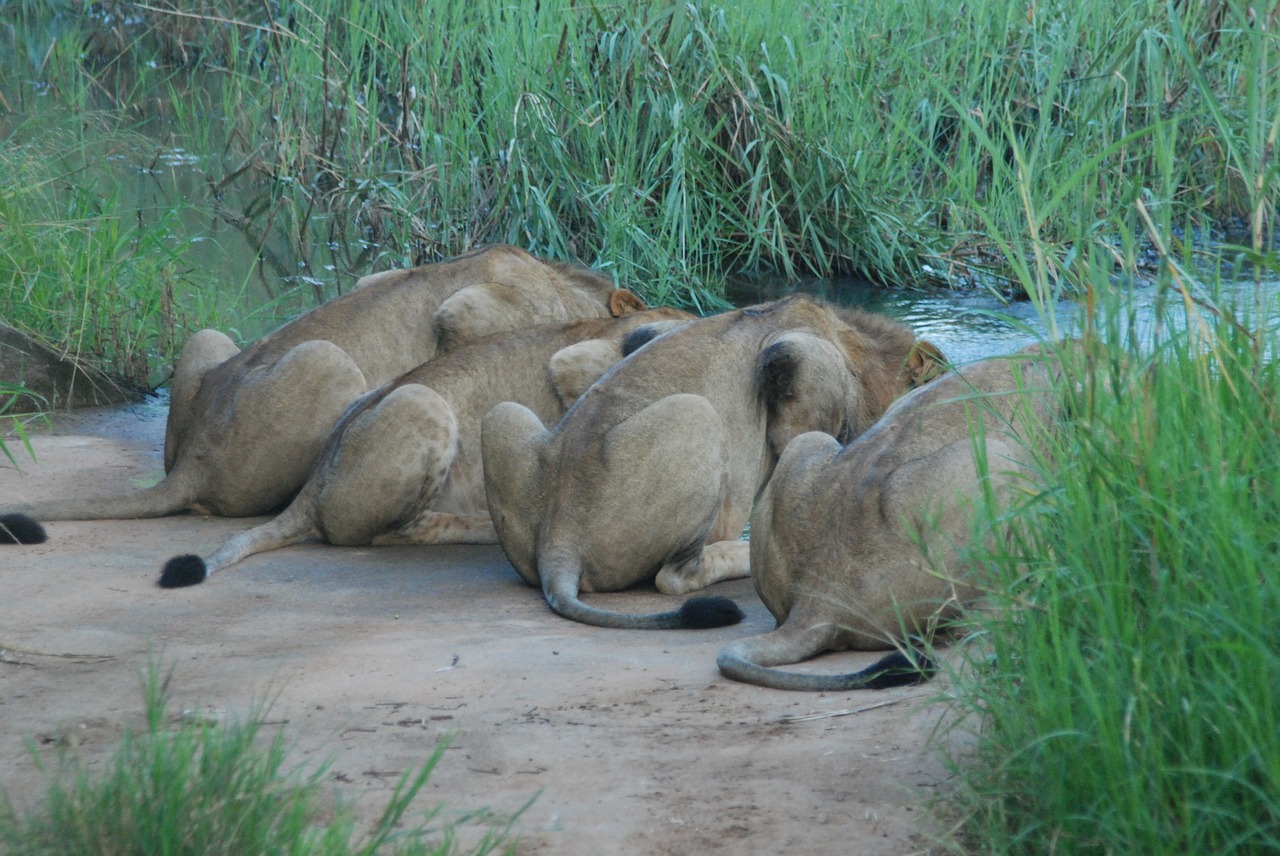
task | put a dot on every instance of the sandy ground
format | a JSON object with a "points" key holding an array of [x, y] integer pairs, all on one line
{"points": [[630, 741]]}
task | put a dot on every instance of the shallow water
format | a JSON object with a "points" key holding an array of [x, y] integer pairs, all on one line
{"points": [[966, 325], [972, 324]]}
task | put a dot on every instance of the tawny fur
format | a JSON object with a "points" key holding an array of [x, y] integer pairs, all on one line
{"points": [[856, 547], [245, 427], [652, 474], [403, 464]]}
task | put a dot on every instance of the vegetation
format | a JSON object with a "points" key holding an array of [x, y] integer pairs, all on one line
{"points": [[1039, 148], [205, 789], [1132, 649], [1124, 694], [676, 143], [97, 278]]}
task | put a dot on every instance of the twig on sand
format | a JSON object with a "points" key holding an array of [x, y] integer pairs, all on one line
{"points": [[806, 717], [13, 655]]}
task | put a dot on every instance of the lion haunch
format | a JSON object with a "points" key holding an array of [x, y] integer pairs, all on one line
{"points": [[857, 546], [652, 474], [246, 426]]}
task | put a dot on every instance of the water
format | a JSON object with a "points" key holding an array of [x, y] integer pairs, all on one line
{"points": [[972, 324], [966, 325]]}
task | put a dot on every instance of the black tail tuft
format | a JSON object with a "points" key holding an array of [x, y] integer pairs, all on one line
{"points": [[899, 669], [701, 613], [20, 529], [182, 571]]}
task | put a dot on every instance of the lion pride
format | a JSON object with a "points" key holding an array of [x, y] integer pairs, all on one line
{"points": [[245, 427], [651, 475]]}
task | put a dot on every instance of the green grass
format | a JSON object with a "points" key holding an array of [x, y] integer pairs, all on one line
{"points": [[683, 143], [676, 144], [206, 789], [1131, 700], [95, 278], [1046, 149], [1125, 695]]}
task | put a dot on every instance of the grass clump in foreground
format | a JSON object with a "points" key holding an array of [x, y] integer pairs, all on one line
{"points": [[1132, 693], [207, 789]]}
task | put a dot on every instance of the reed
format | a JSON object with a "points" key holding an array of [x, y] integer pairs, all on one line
{"points": [[95, 277], [1131, 652], [1124, 696], [686, 143]]}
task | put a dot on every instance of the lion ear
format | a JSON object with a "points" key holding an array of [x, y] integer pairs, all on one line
{"points": [[779, 365], [623, 302], [925, 362]]}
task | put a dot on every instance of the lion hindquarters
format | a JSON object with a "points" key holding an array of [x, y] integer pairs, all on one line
{"points": [[661, 488], [477, 311], [574, 368], [389, 462], [512, 438], [275, 428], [786, 516]]}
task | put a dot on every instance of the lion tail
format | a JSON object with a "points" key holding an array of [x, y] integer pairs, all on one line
{"points": [[20, 529], [560, 587], [172, 494], [294, 525], [751, 661]]}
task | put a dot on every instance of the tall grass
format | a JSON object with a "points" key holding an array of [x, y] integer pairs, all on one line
{"points": [[97, 279], [1133, 702], [1133, 689], [682, 143], [218, 789]]}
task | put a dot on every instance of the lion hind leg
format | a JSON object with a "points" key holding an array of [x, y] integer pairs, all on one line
{"points": [[722, 560], [438, 527], [390, 462], [263, 448], [512, 440], [574, 368]]}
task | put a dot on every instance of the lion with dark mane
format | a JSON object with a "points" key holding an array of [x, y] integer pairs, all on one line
{"points": [[652, 474]]}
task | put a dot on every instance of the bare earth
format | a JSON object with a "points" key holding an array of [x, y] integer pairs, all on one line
{"points": [[630, 741]]}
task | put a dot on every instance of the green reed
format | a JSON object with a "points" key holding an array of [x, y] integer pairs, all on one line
{"points": [[1125, 695], [683, 143], [1126, 691], [94, 277]]}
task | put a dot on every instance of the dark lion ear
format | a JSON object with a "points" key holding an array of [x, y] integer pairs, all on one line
{"points": [[925, 362], [779, 365], [623, 302]]}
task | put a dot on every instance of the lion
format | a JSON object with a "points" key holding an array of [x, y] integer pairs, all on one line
{"points": [[402, 466], [245, 427], [856, 546], [651, 475]]}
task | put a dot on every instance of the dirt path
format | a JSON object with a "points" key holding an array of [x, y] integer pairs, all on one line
{"points": [[631, 741]]}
